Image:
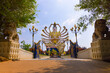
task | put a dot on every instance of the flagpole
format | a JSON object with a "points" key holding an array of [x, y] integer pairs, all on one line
{"points": [[42, 46]]}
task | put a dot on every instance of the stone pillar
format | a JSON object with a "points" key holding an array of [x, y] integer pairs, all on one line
{"points": [[100, 49], [9, 49]]}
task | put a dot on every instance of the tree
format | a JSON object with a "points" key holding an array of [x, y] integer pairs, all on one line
{"points": [[19, 12], [25, 46], [99, 9]]}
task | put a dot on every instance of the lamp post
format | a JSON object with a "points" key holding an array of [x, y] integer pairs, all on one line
{"points": [[75, 30], [33, 31], [42, 45], [67, 46]]}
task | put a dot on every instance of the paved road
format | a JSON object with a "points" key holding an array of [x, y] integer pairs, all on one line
{"points": [[55, 65]]}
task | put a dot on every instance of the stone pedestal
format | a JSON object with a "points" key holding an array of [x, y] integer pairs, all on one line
{"points": [[9, 49], [100, 49]]}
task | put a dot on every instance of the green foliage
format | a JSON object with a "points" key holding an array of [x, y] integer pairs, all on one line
{"points": [[19, 32], [25, 46], [96, 8], [20, 12]]}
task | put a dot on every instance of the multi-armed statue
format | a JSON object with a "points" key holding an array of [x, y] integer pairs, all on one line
{"points": [[55, 38]]}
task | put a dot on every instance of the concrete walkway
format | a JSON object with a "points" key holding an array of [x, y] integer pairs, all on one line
{"points": [[55, 65]]}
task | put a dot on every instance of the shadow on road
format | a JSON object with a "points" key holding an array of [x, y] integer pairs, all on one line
{"points": [[77, 66]]}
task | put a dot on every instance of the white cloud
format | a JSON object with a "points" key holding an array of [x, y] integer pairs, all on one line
{"points": [[68, 21], [83, 39]]}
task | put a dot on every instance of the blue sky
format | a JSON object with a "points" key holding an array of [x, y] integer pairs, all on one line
{"points": [[62, 12]]}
